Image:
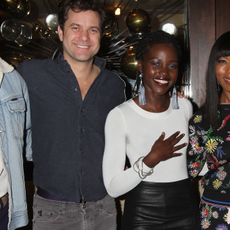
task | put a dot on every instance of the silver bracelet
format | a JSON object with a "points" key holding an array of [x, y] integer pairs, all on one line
{"points": [[138, 167]]}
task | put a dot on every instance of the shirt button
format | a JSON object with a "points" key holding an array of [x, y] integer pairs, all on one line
{"points": [[82, 173], [68, 71], [82, 130], [82, 151], [82, 110], [76, 89]]}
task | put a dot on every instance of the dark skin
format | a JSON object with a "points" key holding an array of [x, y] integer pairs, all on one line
{"points": [[159, 66]]}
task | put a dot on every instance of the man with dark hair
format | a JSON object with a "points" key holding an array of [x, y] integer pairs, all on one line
{"points": [[70, 99]]}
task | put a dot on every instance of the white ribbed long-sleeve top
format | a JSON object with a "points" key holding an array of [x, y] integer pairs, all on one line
{"points": [[131, 131]]}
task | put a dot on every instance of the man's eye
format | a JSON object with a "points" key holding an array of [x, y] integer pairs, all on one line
{"points": [[94, 30]]}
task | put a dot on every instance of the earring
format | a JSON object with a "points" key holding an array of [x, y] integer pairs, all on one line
{"points": [[141, 91], [174, 99], [218, 87]]}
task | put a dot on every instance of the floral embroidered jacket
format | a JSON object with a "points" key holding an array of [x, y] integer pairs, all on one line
{"points": [[213, 146]]}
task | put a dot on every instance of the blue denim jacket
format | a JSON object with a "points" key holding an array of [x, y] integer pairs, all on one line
{"points": [[15, 136]]}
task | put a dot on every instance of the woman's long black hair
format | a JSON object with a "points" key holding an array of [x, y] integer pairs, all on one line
{"points": [[221, 48]]}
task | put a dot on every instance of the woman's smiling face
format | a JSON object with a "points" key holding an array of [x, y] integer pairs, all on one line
{"points": [[159, 67], [223, 74]]}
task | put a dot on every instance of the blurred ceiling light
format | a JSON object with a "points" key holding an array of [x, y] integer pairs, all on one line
{"points": [[118, 11], [51, 22], [169, 28]]}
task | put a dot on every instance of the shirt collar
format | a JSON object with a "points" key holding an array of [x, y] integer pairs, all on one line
{"points": [[100, 62], [4, 68]]}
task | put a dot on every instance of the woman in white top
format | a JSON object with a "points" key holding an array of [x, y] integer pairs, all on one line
{"points": [[149, 130]]}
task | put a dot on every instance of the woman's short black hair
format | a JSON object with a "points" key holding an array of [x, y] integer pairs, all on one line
{"points": [[144, 44], [156, 36]]}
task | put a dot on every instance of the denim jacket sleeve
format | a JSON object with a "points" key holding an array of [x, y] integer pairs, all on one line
{"points": [[15, 139], [28, 134], [15, 96]]}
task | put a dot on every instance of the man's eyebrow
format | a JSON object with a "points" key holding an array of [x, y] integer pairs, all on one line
{"points": [[74, 24], [91, 27]]}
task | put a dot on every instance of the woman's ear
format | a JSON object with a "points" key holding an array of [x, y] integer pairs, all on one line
{"points": [[139, 65]]}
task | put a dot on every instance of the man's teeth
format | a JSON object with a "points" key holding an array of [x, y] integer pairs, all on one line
{"points": [[84, 47], [161, 81]]}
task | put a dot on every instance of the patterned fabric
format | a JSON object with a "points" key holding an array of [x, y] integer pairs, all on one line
{"points": [[214, 216], [213, 147]]}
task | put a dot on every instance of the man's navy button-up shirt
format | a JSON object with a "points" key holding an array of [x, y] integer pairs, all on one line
{"points": [[68, 132]]}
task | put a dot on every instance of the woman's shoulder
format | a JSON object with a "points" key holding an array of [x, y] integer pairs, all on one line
{"points": [[185, 106], [199, 118], [125, 105], [121, 108], [199, 112], [184, 101]]}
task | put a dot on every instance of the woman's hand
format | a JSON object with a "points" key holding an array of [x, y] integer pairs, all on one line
{"points": [[164, 149]]}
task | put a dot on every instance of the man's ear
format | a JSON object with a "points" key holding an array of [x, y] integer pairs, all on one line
{"points": [[60, 33]]}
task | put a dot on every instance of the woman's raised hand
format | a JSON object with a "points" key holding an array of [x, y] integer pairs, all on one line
{"points": [[164, 149]]}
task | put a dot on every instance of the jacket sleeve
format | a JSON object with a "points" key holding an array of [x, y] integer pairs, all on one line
{"points": [[28, 133], [196, 151]]}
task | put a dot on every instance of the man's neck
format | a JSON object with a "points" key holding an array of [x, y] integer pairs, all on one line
{"points": [[85, 73], [82, 70]]}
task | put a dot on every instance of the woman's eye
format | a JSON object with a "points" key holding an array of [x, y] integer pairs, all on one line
{"points": [[222, 61], [172, 66], [155, 63]]}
